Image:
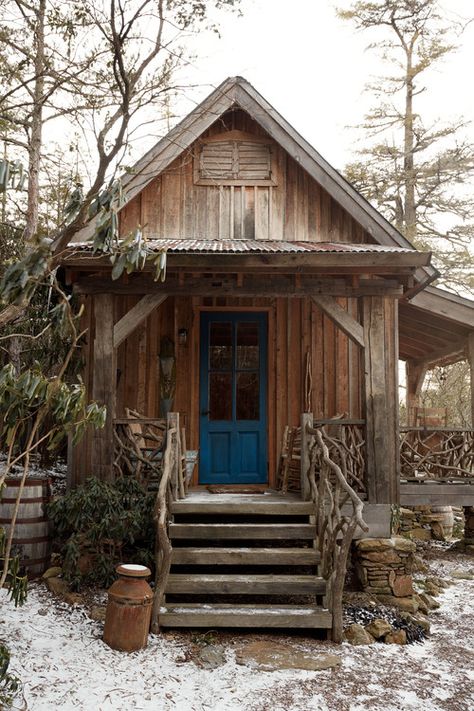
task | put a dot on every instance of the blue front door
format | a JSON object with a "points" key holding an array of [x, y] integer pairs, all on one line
{"points": [[233, 398]]}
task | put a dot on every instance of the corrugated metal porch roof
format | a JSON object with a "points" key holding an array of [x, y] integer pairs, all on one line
{"points": [[242, 246]]}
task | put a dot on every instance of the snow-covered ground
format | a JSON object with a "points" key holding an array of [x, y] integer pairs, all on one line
{"points": [[58, 653]]}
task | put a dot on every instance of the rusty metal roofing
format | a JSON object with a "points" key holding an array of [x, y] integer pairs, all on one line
{"points": [[239, 246]]}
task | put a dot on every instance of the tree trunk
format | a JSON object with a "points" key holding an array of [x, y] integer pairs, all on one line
{"points": [[34, 151], [408, 157]]}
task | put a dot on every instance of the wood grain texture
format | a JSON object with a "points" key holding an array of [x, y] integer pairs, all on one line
{"points": [[291, 205], [381, 400]]}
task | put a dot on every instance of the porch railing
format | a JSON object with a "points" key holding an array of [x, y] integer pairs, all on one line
{"points": [[436, 453], [338, 508]]}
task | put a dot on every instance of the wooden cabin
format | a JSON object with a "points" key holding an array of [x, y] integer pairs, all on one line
{"points": [[281, 298]]}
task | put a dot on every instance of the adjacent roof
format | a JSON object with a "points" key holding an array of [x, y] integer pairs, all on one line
{"points": [[434, 327]]}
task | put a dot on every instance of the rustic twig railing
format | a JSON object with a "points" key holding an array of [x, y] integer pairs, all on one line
{"points": [[138, 446], [328, 487], [440, 453], [172, 487]]}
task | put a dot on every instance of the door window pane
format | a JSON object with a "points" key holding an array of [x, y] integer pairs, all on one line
{"points": [[220, 396], [248, 396], [247, 346], [220, 346]]}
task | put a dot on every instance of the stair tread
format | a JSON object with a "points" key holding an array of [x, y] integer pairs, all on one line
{"points": [[233, 584], [242, 530], [241, 555], [225, 615], [237, 576]]}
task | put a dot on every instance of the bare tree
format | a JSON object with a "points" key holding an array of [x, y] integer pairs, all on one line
{"points": [[104, 81], [418, 173]]}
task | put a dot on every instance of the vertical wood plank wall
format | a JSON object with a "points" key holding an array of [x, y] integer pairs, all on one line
{"points": [[297, 208], [297, 331]]}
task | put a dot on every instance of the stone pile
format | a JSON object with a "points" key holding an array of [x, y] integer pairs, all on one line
{"points": [[384, 568], [423, 523]]}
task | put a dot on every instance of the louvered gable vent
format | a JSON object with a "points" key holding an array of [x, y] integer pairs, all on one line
{"points": [[235, 162]]}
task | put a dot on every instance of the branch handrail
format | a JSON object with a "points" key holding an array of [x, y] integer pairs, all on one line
{"points": [[330, 491], [172, 486]]}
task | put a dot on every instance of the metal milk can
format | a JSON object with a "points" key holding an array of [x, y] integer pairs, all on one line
{"points": [[128, 613]]}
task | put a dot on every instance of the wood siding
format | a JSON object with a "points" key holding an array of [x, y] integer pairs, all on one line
{"points": [[297, 208], [299, 333]]}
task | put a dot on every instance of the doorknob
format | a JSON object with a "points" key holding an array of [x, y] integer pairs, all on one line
{"points": [[204, 412]]}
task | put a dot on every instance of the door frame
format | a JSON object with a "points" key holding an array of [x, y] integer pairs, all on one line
{"points": [[270, 385]]}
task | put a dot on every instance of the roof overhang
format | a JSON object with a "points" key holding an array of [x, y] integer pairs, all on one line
{"points": [[434, 327]]}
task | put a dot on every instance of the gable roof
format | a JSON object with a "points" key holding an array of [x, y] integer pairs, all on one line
{"points": [[237, 92]]}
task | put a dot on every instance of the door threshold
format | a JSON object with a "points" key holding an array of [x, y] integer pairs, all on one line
{"points": [[234, 488]]}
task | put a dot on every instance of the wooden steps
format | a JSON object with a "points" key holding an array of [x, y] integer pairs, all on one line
{"points": [[243, 561], [278, 616]]}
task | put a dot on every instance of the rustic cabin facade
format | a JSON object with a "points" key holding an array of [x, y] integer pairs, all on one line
{"points": [[280, 314]]}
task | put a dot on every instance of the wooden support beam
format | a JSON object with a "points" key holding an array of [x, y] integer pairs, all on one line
{"points": [[341, 318], [381, 400], [135, 316], [415, 376], [104, 386], [470, 355], [355, 262], [240, 286]]}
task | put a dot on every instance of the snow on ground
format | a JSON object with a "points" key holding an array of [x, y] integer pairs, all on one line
{"points": [[58, 653]]}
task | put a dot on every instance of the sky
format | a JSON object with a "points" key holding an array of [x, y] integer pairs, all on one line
{"points": [[312, 67]]}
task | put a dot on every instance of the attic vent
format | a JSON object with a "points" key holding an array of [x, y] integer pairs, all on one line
{"points": [[234, 163]]}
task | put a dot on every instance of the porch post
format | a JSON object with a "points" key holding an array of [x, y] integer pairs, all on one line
{"points": [[470, 356], [104, 385], [381, 399], [415, 376]]}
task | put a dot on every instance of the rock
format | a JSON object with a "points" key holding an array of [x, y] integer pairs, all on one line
{"points": [[42, 611], [396, 637], [403, 544], [438, 532], [419, 564], [73, 598], [421, 534], [378, 590], [407, 513], [374, 544], [97, 613], [408, 604], [378, 628], [272, 656], [402, 586], [382, 557], [53, 572], [439, 582], [356, 634], [58, 586], [423, 622], [432, 589], [422, 606], [211, 656], [462, 575], [429, 601]]}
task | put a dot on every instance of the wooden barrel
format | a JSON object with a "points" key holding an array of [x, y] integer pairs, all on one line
{"points": [[446, 520], [32, 536]]}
